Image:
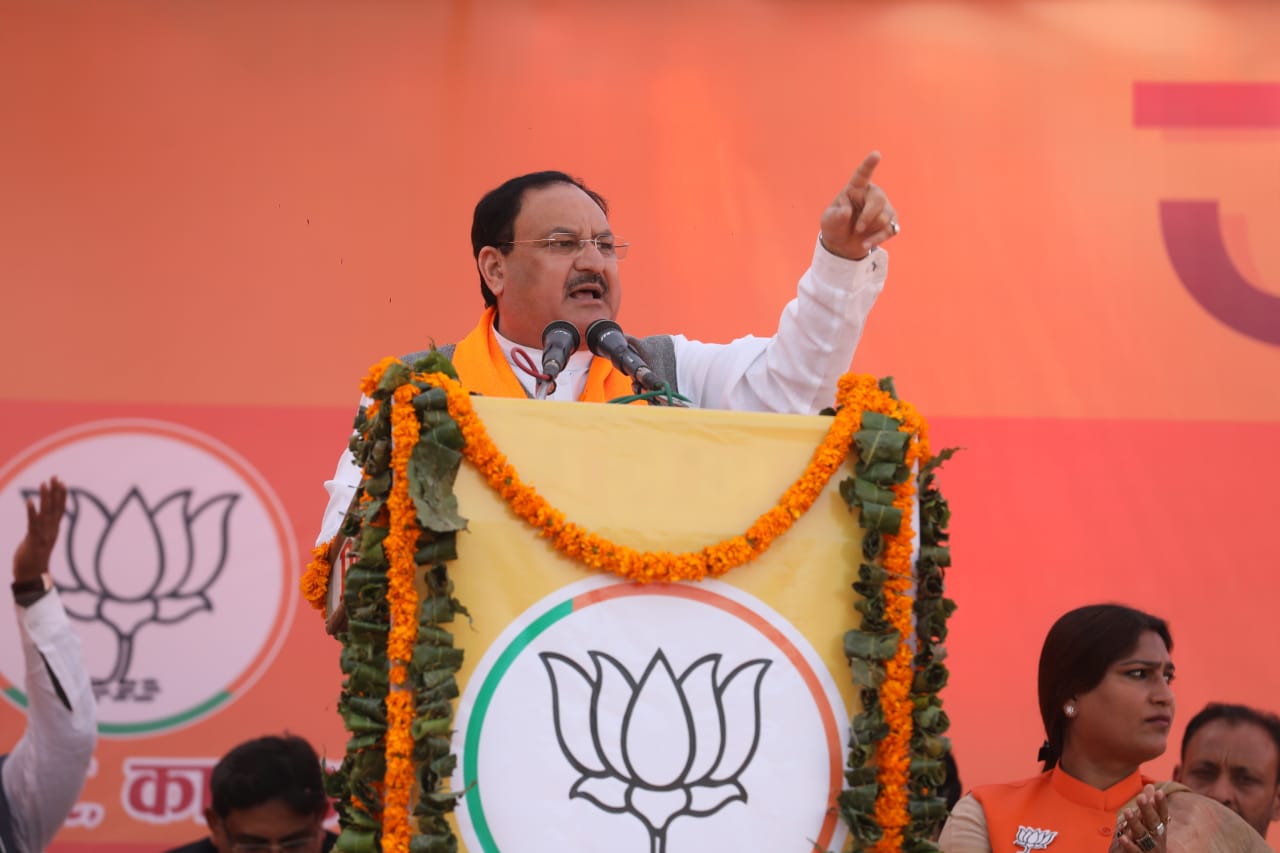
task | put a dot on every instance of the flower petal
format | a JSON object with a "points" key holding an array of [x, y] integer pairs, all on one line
{"points": [[179, 607], [208, 530], [699, 686], [607, 792], [614, 689], [571, 689], [709, 799], [130, 561], [80, 603], [740, 699], [170, 519], [657, 734], [86, 526]]}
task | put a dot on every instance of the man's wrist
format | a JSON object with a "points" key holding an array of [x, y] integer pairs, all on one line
{"points": [[830, 251], [28, 592]]}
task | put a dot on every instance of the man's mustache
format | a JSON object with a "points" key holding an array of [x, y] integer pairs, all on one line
{"points": [[587, 278]]}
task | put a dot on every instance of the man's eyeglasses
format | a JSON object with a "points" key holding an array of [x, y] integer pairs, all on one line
{"points": [[570, 245]]}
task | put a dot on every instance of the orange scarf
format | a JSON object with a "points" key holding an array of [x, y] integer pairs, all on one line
{"points": [[483, 367]]}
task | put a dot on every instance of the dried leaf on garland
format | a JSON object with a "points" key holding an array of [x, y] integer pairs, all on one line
{"points": [[861, 644], [432, 469]]}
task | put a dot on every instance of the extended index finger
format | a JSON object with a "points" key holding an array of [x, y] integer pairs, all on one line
{"points": [[862, 175]]}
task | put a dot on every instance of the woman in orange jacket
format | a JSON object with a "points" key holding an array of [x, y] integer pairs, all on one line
{"points": [[1107, 705]]}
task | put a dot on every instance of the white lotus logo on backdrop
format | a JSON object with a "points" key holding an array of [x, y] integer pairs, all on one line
{"points": [[661, 746], [141, 563], [176, 562]]}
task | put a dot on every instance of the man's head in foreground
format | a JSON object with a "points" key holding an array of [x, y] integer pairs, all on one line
{"points": [[268, 792], [1231, 753]]}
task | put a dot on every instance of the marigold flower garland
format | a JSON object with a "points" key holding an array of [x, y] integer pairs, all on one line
{"points": [[886, 741], [893, 754], [402, 596], [397, 706], [600, 553], [856, 396]]}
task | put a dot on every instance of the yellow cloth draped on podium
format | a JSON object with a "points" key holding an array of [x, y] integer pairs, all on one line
{"points": [[571, 675], [574, 709]]}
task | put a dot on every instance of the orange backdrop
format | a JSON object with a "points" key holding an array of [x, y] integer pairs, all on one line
{"points": [[219, 214]]}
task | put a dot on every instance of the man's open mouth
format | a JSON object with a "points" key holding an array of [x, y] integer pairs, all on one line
{"points": [[587, 290]]}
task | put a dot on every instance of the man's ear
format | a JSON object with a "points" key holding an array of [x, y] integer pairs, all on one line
{"points": [[493, 268], [1177, 775], [216, 829], [1275, 805]]}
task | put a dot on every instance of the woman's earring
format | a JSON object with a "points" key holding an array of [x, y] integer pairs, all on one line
{"points": [[1069, 710]]}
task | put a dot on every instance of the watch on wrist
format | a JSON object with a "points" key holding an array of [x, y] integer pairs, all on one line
{"points": [[28, 592]]}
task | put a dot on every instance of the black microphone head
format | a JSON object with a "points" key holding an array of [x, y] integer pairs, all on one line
{"points": [[561, 332], [596, 331], [559, 341]]}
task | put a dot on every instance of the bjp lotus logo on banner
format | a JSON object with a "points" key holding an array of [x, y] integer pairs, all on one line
{"points": [[172, 547], [650, 718], [660, 746], [141, 562]]}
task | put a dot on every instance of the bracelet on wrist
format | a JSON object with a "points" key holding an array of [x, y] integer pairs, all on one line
{"points": [[28, 592]]}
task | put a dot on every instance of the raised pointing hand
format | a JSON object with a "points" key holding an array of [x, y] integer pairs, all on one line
{"points": [[861, 216]]}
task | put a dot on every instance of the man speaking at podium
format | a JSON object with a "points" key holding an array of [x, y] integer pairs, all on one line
{"points": [[546, 255]]}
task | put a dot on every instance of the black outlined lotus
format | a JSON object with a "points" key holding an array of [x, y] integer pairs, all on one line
{"points": [[661, 746], [138, 564]]}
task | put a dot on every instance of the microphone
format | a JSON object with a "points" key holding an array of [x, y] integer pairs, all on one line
{"points": [[605, 339], [559, 341]]}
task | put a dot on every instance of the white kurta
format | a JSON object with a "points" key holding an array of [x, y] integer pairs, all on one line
{"points": [[46, 769], [795, 371]]}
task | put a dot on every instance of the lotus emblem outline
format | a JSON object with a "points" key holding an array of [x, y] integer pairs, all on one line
{"points": [[1032, 838], [140, 563], [660, 746]]}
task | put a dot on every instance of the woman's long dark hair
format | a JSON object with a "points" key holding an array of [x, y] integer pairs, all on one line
{"points": [[1079, 648]]}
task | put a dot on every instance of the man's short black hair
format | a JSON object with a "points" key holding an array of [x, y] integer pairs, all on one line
{"points": [[494, 221], [1233, 715], [276, 767]]}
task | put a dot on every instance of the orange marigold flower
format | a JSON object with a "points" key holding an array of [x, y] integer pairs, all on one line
{"points": [[370, 382], [315, 580], [598, 552]]}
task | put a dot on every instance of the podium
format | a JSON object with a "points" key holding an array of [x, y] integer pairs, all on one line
{"points": [[596, 713]]}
